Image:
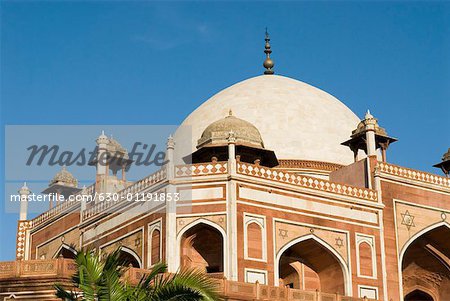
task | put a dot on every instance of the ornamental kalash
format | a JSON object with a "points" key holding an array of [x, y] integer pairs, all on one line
{"points": [[290, 197]]}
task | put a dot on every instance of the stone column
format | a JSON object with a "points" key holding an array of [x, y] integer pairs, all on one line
{"points": [[232, 270], [171, 210], [370, 124]]}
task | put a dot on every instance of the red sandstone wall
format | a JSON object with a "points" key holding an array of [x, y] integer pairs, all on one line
{"points": [[53, 230], [353, 174], [414, 194]]}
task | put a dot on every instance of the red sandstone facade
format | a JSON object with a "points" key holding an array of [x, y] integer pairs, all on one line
{"points": [[268, 229], [392, 239]]}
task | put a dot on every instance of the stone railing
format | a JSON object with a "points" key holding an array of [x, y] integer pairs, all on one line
{"points": [[201, 169], [61, 207], [304, 181], [412, 174], [60, 267], [308, 164], [254, 291], [124, 194]]}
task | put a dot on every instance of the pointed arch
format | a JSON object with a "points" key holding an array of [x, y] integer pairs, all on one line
{"points": [[412, 243], [66, 251], [419, 234], [155, 245], [207, 223], [254, 240], [422, 289], [134, 258], [338, 257]]}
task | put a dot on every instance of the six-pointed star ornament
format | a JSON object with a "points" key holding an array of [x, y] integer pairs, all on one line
{"points": [[408, 219]]}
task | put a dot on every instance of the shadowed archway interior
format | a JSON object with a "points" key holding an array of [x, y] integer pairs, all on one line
{"points": [[418, 295], [66, 252], [128, 258], [309, 265], [202, 248], [426, 267]]}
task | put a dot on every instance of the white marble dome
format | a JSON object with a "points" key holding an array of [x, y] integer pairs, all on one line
{"points": [[296, 120]]}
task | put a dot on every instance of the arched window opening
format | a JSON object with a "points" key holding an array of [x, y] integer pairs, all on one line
{"points": [[365, 259], [308, 265], [155, 247], [202, 248], [254, 241]]}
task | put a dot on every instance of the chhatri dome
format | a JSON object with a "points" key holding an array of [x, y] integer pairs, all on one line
{"points": [[218, 132], [294, 119], [65, 178]]}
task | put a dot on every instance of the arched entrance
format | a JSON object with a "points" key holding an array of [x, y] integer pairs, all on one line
{"points": [[418, 295], [425, 264], [309, 263], [202, 247]]}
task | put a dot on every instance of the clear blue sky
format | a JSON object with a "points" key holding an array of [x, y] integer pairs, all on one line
{"points": [[108, 62]]}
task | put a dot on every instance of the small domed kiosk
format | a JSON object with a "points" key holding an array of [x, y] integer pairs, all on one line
{"points": [[213, 143]]}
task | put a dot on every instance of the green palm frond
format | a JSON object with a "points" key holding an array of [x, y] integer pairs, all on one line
{"points": [[101, 279], [175, 292], [65, 295]]}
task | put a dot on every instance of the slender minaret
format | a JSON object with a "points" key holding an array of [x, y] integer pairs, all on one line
{"points": [[24, 192], [170, 156], [102, 163], [102, 142], [268, 63], [171, 210]]}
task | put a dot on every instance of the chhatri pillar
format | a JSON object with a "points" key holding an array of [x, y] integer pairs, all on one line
{"points": [[369, 136]]}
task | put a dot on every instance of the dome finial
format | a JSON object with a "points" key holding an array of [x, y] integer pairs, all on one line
{"points": [[230, 112], [268, 63]]}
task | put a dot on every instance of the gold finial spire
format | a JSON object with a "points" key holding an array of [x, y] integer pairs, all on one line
{"points": [[268, 63]]}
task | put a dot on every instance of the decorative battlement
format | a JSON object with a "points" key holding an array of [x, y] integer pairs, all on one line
{"points": [[201, 169], [412, 174], [304, 181]]}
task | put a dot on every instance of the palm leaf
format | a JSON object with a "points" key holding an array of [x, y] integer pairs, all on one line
{"points": [[101, 279]]}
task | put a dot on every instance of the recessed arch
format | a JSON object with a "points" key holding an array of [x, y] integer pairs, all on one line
{"points": [[419, 234], [213, 225], [421, 289], [365, 258], [254, 240], [343, 265], [155, 245], [130, 256], [423, 258], [66, 251]]}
